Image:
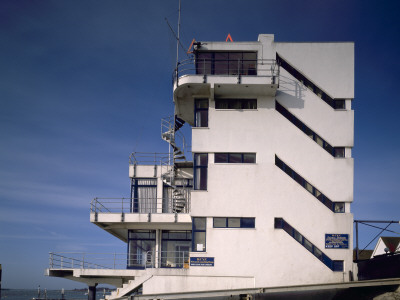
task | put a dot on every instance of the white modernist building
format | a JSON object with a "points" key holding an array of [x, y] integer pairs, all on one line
{"points": [[264, 199]]}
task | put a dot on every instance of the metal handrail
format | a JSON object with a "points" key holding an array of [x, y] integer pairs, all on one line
{"points": [[147, 158], [112, 261], [137, 205], [225, 67]]}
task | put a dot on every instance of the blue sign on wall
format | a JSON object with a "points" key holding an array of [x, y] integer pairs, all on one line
{"points": [[336, 241], [202, 261]]}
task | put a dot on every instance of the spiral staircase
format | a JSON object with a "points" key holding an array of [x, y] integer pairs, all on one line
{"points": [[169, 128]]}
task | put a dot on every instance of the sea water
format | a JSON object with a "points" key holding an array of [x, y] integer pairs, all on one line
{"points": [[51, 294]]}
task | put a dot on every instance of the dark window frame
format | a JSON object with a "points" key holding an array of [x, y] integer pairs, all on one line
{"points": [[196, 167], [151, 236], [236, 104], [135, 185], [230, 160], [241, 222], [215, 64], [165, 237], [195, 230], [197, 112]]}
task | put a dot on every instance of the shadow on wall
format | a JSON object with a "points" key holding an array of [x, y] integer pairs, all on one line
{"points": [[291, 86], [291, 93]]}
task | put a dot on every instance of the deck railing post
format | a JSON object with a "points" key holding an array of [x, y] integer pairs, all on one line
{"points": [[114, 259], [62, 261], [51, 260]]}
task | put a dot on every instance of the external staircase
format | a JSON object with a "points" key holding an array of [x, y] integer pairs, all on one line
{"points": [[128, 288], [169, 128]]}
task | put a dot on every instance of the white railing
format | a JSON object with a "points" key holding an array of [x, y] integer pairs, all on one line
{"points": [[147, 158], [138, 205], [120, 261]]}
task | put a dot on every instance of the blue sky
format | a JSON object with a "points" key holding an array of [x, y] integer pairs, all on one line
{"points": [[84, 83]]}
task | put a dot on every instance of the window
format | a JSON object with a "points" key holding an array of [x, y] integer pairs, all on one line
{"points": [[226, 63], [337, 265], [219, 222], [141, 247], [339, 207], [236, 103], [144, 195], [201, 113], [235, 158], [339, 104], [339, 152], [199, 234], [200, 161], [175, 248]]}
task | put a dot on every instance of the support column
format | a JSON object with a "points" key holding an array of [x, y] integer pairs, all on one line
{"points": [[157, 254], [357, 253], [92, 292]]}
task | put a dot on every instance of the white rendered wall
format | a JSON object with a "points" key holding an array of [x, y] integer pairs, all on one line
{"points": [[264, 191], [265, 256], [329, 65]]}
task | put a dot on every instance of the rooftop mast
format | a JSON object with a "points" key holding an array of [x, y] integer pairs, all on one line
{"points": [[177, 40]]}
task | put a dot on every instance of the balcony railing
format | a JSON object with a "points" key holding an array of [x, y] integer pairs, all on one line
{"points": [[149, 158], [258, 67], [140, 205], [118, 261]]}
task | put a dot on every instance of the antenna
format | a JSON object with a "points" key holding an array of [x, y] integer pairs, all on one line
{"points": [[179, 29], [177, 36]]}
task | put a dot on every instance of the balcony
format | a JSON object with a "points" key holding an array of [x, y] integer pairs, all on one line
{"points": [[140, 205], [203, 78], [115, 268], [118, 215], [255, 71], [118, 261]]}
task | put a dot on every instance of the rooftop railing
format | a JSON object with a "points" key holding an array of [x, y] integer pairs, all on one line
{"points": [[225, 67], [118, 261], [148, 158]]}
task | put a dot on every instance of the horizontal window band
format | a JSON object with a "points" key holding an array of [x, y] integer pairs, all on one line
{"points": [[233, 222], [234, 157]]}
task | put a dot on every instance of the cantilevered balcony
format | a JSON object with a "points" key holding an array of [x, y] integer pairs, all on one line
{"points": [[117, 216], [206, 76], [118, 261], [116, 268]]}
